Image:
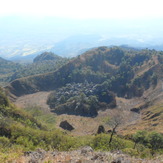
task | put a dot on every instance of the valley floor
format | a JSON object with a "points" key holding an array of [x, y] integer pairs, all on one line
{"points": [[82, 125], [87, 126]]}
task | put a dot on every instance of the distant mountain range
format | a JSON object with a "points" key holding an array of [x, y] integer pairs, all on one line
{"points": [[73, 46], [25, 38]]}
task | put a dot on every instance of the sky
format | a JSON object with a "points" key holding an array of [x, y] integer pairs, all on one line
{"points": [[83, 9], [40, 24]]}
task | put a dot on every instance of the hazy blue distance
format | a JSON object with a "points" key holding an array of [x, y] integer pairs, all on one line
{"points": [[68, 37]]}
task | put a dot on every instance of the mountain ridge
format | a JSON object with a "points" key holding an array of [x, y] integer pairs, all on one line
{"points": [[78, 64], [115, 71], [45, 62]]}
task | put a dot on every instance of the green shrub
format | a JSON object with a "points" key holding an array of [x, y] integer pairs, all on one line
{"points": [[4, 142], [130, 151], [155, 140], [24, 141], [101, 142]]}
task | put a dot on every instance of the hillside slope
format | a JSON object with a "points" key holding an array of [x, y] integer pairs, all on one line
{"points": [[12, 118], [23, 139], [128, 78], [44, 63], [46, 56], [114, 66], [7, 69]]}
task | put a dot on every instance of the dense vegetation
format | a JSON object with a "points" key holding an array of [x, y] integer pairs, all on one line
{"points": [[7, 68], [81, 99], [38, 68], [110, 67], [43, 63]]}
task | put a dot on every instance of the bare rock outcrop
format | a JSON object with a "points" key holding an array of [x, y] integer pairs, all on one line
{"points": [[66, 125], [83, 155], [101, 129]]}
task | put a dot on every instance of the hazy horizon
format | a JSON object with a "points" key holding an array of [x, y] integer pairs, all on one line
{"points": [[33, 26]]}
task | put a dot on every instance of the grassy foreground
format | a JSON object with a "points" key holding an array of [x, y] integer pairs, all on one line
{"points": [[22, 131]]}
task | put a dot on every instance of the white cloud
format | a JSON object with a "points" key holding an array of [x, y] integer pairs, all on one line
{"points": [[83, 8]]}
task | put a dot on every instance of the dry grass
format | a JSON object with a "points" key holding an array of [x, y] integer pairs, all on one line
{"points": [[35, 99], [151, 120], [82, 125], [89, 126]]}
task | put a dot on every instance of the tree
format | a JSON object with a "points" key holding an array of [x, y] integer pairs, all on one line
{"points": [[139, 137], [117, 118], [93, 101], [82, 97], [155, 140], [62, 99]]}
